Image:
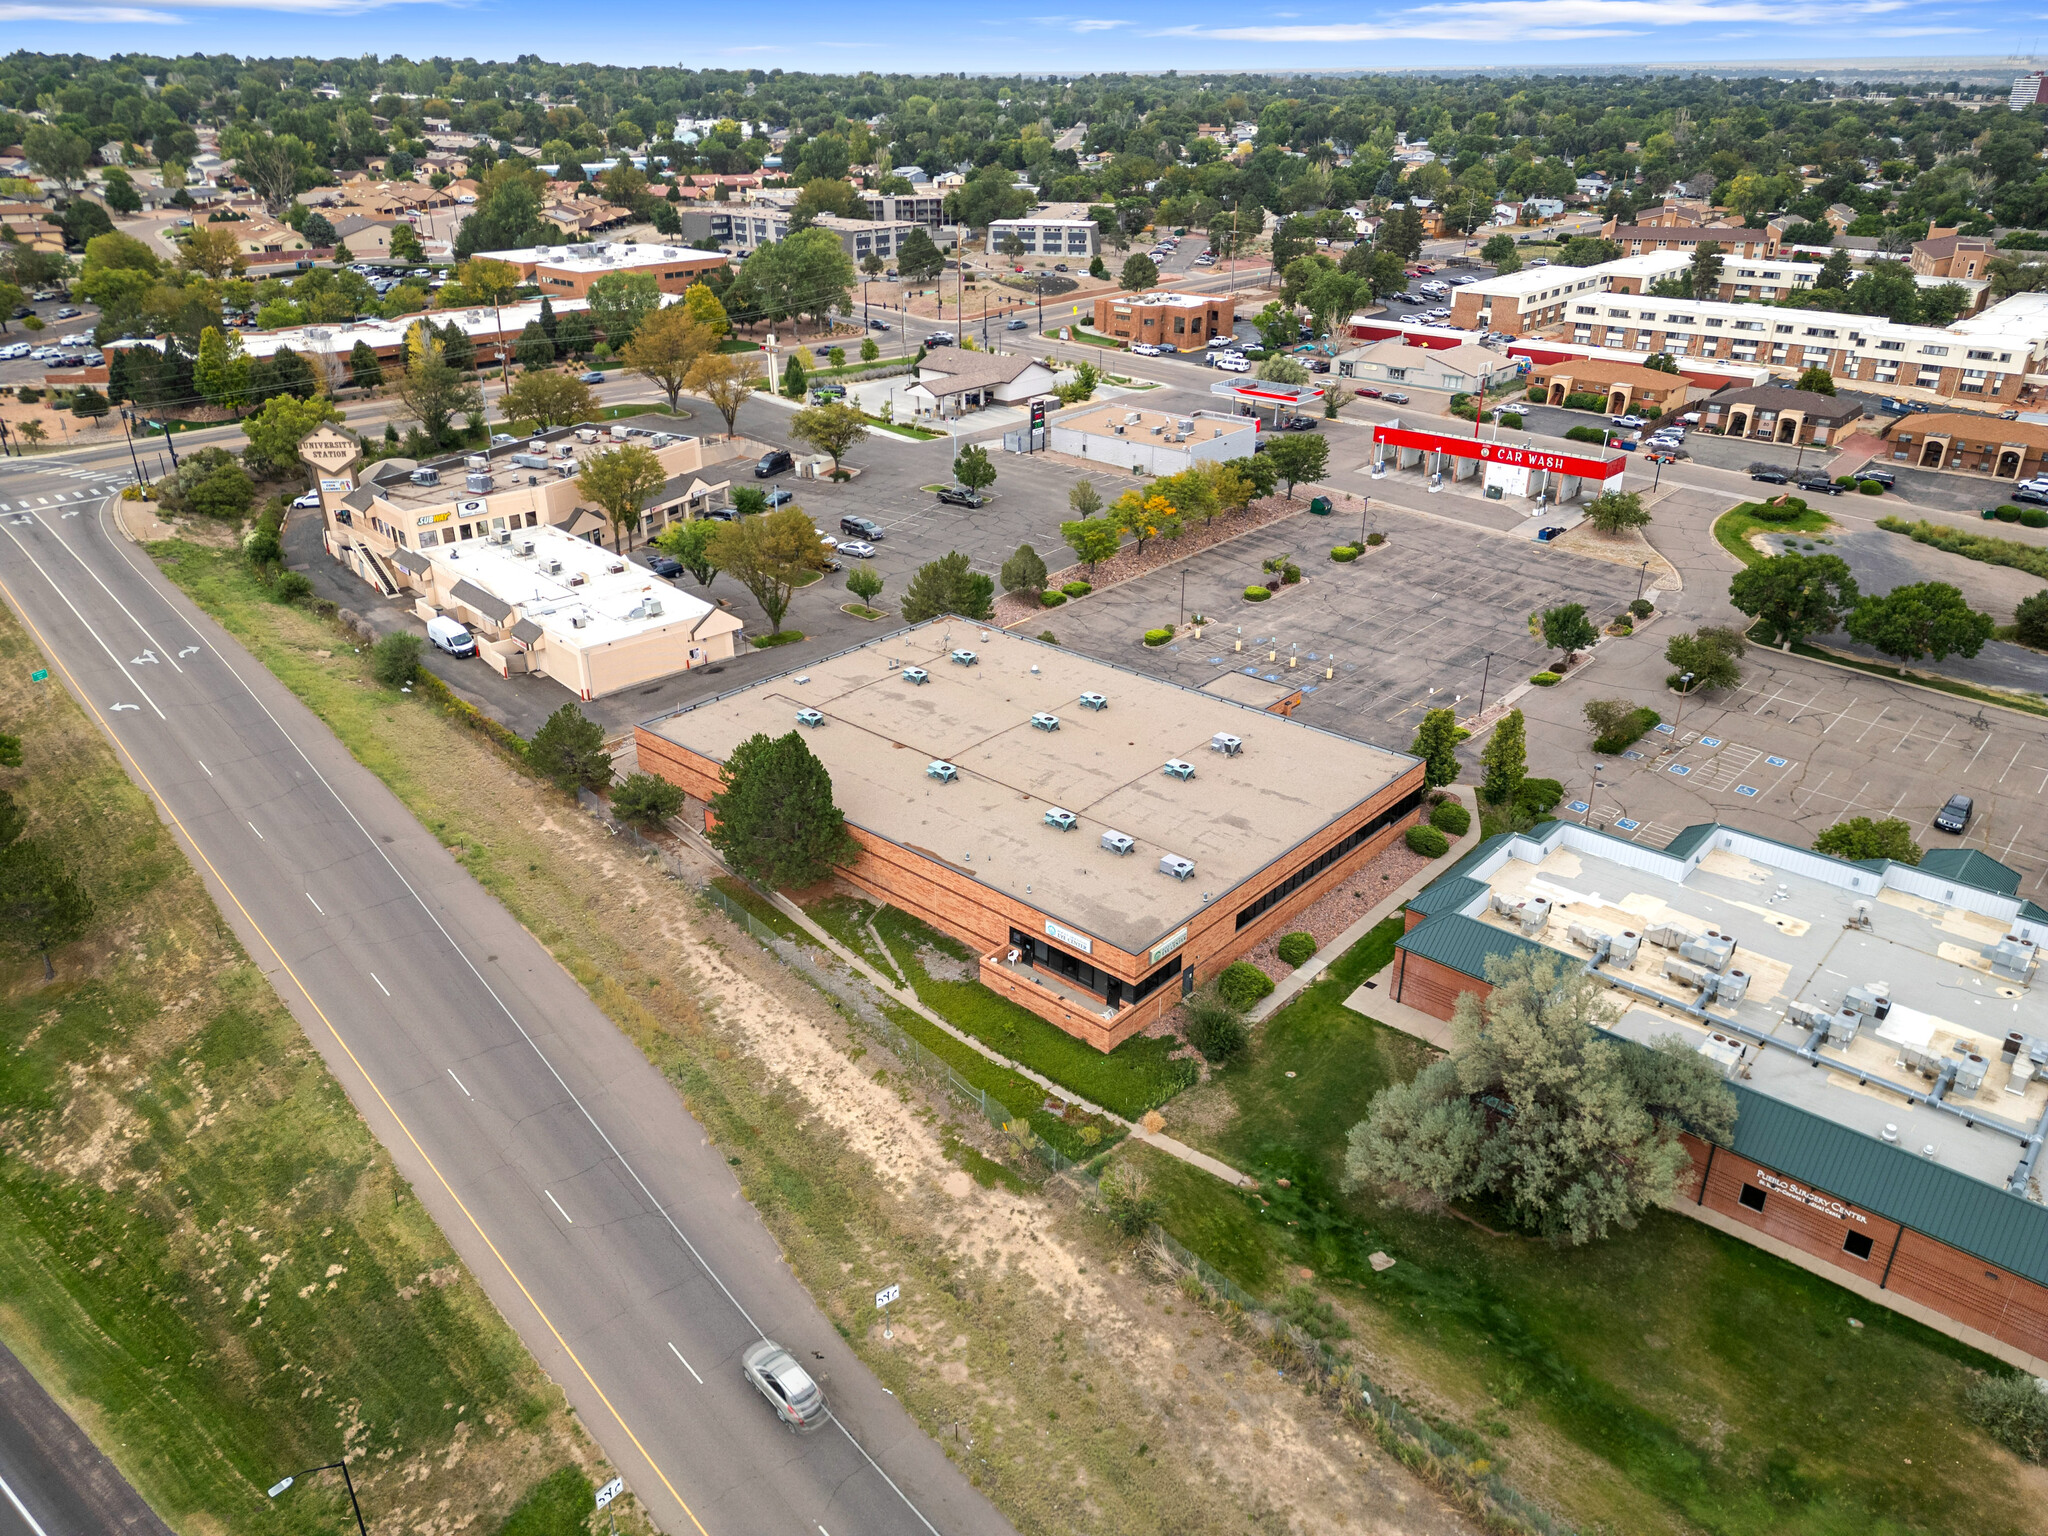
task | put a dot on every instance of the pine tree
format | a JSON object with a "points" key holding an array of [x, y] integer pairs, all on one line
{"points": [[775, 820], [547, 316], [569, 750], [1505, 761], [1436, 743], [41, 905], [948, 585]]}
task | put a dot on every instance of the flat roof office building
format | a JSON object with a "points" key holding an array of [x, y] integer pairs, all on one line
{"points": [[1105, 842], [1878, 1023]]}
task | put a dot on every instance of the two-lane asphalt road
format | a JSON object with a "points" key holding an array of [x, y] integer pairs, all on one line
{"points": [[557, 1159]]}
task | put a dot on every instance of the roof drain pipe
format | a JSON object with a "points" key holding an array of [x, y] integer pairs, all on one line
{"points": [[2023, 1175], [1934, 1099]]}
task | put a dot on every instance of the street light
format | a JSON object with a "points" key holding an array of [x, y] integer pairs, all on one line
{"points": [[1684, 687], [330, 1466], [1594, 795], [1484, 673], [1642, 576]]}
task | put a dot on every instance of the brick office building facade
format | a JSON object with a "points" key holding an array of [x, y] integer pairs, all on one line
{"points": [[1098, 942], [1169, 319]]}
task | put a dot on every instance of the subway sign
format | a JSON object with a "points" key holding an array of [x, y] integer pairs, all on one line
{"points": [[1508, 454]]}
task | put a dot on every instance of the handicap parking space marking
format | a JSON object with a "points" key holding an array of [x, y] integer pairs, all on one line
{"points": [[1667, 730], [1623, 824], [1746, 789], [1579, 806], [1633, 756], [1681, 769], [1710, 741], [1775, 762]]}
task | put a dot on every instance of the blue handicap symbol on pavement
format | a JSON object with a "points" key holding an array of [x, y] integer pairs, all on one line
{"points": [[1775, 762], [1710, 741], [1679, 768], [1634, 757], [1578, 805], [1625, 825], [1745, 789], [1666, 729]]}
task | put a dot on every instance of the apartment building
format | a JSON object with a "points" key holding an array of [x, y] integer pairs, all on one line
{"points": [[1734, 239], [569, 270], [1984, 356], [1166, 319], [1056, 229], [923, 208], [1947, 253], [743, 228]]}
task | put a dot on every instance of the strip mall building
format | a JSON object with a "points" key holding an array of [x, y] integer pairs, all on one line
{"points": [[1103, 842], [1877, 1022]]}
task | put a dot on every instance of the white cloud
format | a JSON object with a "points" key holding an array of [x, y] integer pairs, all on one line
{"points": [[1547, 20], [1922, 31], [89, 14], [1080, 23]]}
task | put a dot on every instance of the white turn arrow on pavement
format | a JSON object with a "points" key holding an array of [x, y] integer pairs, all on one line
{"points": [[124, 706]]}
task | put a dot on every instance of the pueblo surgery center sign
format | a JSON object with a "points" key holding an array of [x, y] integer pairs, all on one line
{"points": [[1507, 455]]}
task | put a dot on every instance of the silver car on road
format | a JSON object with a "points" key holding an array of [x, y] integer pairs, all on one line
{"points": [[796, 1398]]}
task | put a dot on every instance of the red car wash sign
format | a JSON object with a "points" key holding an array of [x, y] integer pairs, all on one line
{"points": [[1508, 454]]}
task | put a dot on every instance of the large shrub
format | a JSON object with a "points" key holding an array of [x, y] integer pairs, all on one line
{"points": [[1344, 554], [1543, 679], [1428, 841], [2012, 1410], [1215, 1027], [1584, 402], [1256, 594], [1126, 1201], [1296, 948], [1783, 509], [1242, 984], [1869, 488], [1451, 818], [1158, 636], [1616, 725], [2034, 517], [2007, 513], [1077, 589], [395, 659]]}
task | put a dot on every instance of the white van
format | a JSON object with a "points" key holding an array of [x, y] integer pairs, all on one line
{"points": [[449, 636]]}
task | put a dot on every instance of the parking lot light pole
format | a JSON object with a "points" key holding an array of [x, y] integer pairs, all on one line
{"points": [[1484, 673], [1684, 687], [1642, 576], [342, 1466]]}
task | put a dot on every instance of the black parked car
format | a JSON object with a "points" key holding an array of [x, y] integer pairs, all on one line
{"points": [[1954, 816], [1883, 477], [663, 565], [1299, 424], [774, 463], [959, 496], [861, 528], [2030, 496], [1771, 476]]}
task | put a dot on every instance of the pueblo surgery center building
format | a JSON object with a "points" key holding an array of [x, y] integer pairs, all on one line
{"points": [[1102, 841], [1877, 1022]]}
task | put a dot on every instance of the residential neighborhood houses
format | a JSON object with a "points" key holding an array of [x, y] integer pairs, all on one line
{"points": [[952, 769]]}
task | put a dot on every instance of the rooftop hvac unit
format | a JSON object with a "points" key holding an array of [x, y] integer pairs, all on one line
{"points": [[1226, 743], [809, 717], [1668, 935], [941, 770], [578, 620], [478, 482], [1712, 949], [537, 445], [1176, 769], [551, 566], [564, 468], [2011, 957], [1132, 418], [1809, 1015], [1873, 1000], [1173, 864], [2020, 1076], [1590, 938], [916, 675], [1679, 971], [501, 536], [1044, 722], [1187, 424], [1094, 701], [1970, 1069], [1709, 985], [1118, 430], [565, 450], [1506, 906], [1535, 916], [1734, 986], [577, 578], [1118, 842], [1842, 1027], [526, 547], [650, 608], [615, 566], [965, 658], [426, 477], [1066, 821], [477, 461], [530, 460], [1725, 1051], [1626, 944]]}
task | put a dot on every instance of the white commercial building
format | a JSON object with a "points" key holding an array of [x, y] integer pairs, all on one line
{"points": [[1151, 442], [1040, 235]]}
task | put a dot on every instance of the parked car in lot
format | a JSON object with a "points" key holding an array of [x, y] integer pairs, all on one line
{"points": [[861, 528], [1299, 423], [19, 349], [773, 1372], [2030, 496], [1144, 349], [663, 565], [1394, 397], [1233, 362], [1369, 394], [1316, 364], [447, 635], [775, 462], [855, 549], [1818, 484], [1625, 421], [310, 499], [69, 312], [1883, 477], [1770, 475], [781, 496], [959, 496], [1955, 816]]}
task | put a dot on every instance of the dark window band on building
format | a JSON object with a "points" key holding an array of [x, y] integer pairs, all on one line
{"points": [[1092, 978], [1327, 857]]}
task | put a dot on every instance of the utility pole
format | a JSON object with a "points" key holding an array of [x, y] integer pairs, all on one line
{"points": [[127, 416], [1485, 673]]}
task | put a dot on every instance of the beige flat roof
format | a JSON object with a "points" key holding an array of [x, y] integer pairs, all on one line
{"points": [[1233, 818], [1246, 688]]}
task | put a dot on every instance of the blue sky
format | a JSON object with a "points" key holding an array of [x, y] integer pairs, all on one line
{"points": [[920, 35]]}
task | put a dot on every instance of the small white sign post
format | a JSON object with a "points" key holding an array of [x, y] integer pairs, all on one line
{"points": [[887, 1294]]}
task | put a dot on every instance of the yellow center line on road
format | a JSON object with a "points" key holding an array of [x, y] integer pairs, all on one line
{"points": [[79, 693]]}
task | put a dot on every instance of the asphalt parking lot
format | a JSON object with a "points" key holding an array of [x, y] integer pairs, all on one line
{"points": [[1374, 644], [1798, 746]]}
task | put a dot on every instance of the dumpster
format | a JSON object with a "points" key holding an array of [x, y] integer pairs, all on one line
{"points": [[1320, 507]]}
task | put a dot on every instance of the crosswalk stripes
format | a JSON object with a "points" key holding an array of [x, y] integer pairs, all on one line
{"points": [[44, 501]]}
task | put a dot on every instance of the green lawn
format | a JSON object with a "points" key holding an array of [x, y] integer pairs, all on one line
{"points": [[1129, 1080], [1672, 1379], [844, 917], [1733, 528], [204, 1254]]}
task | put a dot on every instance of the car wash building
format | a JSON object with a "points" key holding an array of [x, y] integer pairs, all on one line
{"points": [[1536, 468]]}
